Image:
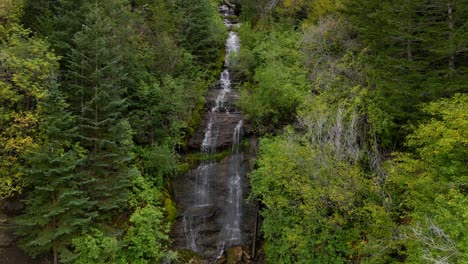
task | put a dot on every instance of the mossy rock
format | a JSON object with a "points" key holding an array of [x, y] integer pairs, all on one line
{"points": [[183, 168], [189, 256], [194, 158], [245, 145], [196, 119], [233, 17], [171, 210], [222, 154]]}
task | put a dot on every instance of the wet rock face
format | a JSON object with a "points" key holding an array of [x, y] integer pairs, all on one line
{"points": [[214, 217], [210, 218], [226, 122], [221, 105]]}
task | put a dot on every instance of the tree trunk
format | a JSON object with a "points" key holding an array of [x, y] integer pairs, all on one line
{"points": [[54, 222], [56, 261], [451, 28], [408, 50]]}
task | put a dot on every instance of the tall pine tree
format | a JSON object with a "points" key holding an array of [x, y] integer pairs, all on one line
{"points": [[57, 208], [201, 31], [96, 90]]}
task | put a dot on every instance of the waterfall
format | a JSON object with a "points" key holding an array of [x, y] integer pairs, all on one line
{"points": [[231, 232], [211, 197]]}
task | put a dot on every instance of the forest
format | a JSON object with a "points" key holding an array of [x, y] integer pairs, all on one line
{"points": [[359, 108]]}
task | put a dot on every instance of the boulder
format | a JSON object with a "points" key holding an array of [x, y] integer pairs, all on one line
{"points": [[234, 255]]}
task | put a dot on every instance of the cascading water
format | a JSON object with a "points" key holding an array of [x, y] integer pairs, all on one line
{"points": [[231, 233], [210, 198]]}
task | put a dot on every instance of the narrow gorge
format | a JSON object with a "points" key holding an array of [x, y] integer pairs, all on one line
{"points": [[214, 214]]}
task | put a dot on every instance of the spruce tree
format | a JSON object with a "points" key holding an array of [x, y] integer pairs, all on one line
{"points": [[201, 32], [96, 77], [416, 50], [39, 15], [68, 19], [57, 208]]}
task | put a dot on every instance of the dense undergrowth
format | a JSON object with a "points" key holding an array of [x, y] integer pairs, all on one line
{"points": [[360, 106], [97, 101], [362, 109]]}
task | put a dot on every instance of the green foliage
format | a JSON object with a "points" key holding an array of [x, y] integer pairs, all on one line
{"points": [[414, 55], [155, 163], [144, 242], [201, 31], [327, 198], [95, 247], [170, 208], [159, 72], [95, 84], [57, 208], [146, 238], [431, 183], [28, 68], [279, 81], [442, 142], [11, 10], [133, 73], [265, 13], [162, 104], [349, 76], [314, 211], [322, 8]]}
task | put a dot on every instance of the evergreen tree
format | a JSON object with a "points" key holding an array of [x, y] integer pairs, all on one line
{"points": [[68, 19], [445, 41], [416, 53], [96, 90], [201, 30], [57, 208]]}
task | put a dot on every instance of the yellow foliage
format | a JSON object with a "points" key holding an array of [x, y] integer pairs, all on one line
{"points": [[293, 3], [16, 140], [27, 70], [289, 8], [10, 8], [323, 7]]}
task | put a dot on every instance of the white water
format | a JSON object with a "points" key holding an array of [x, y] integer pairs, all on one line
{"points": [[232, 45], [225, 81], [230, 234]]}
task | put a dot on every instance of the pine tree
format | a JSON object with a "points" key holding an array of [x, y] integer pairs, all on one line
{"points": [[68, 19], [39, 15], [95, 88], [416, 52], [57, 208], [445, 41], [201, 31]]}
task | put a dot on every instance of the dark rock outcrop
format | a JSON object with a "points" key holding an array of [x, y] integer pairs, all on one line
{"points": [[210, 218], [10, 253]]}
